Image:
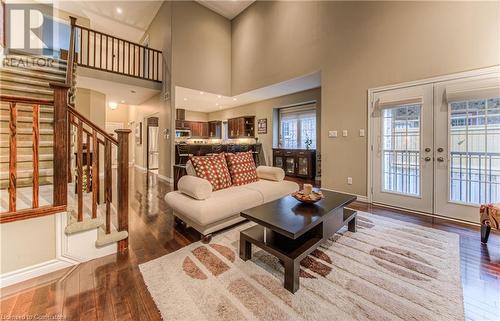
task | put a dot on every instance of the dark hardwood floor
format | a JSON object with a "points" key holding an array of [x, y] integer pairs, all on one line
{"points": [[111, 288]]}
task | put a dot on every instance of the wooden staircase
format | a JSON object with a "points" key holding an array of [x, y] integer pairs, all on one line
{"points": [[40, 129], [28, 77]]}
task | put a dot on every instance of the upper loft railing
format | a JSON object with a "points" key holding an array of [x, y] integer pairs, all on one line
{"points": [[97, 50]]}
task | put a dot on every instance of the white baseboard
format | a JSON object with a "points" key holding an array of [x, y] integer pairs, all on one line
{"points": [[29, 272], [360, 198]]}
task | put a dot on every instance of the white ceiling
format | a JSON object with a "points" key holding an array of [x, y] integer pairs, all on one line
{"points": [[196, 100], [228, 9], [117, 92], [130, 24]]}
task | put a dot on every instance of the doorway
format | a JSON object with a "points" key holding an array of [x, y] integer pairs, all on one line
{"points": [[153, 150], [435, 145]]}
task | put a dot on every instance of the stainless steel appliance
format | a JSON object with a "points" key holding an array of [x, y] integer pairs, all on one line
{"points": [[182, 133], [153, 149]]}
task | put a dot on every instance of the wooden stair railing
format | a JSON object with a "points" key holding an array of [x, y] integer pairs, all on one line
{"points": [[97, 50], [59, 158], [64, 117], [94, 138]]}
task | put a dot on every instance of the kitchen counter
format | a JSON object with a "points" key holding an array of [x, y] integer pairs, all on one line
{"points": [[209, 148]]}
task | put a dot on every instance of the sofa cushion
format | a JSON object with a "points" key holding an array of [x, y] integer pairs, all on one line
{"points": [[195, 187], [272, 190], [271, 173], [213, 169], [221, 204], [242, 168]]}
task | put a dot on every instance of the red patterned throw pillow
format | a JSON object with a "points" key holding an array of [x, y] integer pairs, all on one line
{"points": [[213, 169], [242, 168]]}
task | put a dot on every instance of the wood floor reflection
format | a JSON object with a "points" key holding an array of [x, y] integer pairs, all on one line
{"points": [[112, 288]]}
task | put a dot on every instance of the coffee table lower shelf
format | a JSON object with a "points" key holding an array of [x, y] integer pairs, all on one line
{"points": [[289, 251]]}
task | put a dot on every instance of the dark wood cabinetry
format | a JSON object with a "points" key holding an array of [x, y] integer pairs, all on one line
{"points": [[198, 129], [241, 127], [215, 129], [182, 124], [296, 162]]}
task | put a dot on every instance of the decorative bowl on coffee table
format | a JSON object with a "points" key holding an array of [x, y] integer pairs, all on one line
{"points": [[311, 198]]}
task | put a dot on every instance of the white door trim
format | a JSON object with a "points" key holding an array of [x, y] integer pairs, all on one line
{"points": [[433, 80]]}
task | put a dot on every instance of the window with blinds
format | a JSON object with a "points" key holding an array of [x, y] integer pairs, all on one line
{"points": [[297, 126]]}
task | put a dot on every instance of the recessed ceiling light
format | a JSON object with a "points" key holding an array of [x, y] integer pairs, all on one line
{"points": [[201, 92], [119, 10], [112, 105], [216, 104], [123, 101], [185, 99], [235, 99], [219, 96]]}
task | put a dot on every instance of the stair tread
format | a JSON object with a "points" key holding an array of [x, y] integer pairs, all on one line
{"points": [[27, 73], [27, 158], [42, 143], [54, 59], [23, 131], [87, 224], [104, 239], [26, 119], [28, 89], [51, 70], [26, 107], [28, 81]]}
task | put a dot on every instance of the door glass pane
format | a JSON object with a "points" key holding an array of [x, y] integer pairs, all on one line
{"points": [[290, 165], [401, 149], [303, 165], [475, 151], [278, 161]]}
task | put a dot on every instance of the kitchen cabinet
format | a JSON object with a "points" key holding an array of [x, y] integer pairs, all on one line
{"points": [[296, 162], [215, 129], [182, 124], [241, 127]]}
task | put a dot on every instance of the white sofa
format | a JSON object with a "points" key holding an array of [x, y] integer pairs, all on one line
{"points": [[222, 208]]}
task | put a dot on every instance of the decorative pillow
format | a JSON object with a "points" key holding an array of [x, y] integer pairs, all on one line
{"points": [[242, 168], [213, 169]]}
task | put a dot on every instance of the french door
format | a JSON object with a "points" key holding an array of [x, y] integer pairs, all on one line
{"points": [[436, 147], [402, 148]]}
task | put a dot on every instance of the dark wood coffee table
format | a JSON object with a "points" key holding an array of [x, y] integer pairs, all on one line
{"points": [[291, 230]]}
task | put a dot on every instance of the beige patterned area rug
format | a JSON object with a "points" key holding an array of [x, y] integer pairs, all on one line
{"points": [[387, 270]]}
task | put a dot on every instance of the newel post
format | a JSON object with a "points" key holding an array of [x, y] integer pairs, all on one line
{"points": [[71, 52], [122, 185], [60, 162]]}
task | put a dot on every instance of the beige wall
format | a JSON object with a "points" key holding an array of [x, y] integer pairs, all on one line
{"points": [[264, 109], [358, 45], [92, 104], [196, 116], [201, 51], [160, 36], [118, 115], [26, 243]]}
